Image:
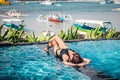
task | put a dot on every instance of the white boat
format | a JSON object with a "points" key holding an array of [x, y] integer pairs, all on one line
{"points": [[54, 17], [48, 33], [116, 9], [14, 24], [13, 13], [102, 2], [47, 2], [116, 2], [87, 25], [58, 5]]}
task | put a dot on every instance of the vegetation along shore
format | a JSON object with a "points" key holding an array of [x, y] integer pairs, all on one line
{"points": [[11, 36]]}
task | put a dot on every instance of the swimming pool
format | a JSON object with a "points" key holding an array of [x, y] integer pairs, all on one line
{"points": [[105, 55], [32, 63]]}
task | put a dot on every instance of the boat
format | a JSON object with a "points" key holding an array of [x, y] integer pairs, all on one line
{"points": [[15, 24], [47, 2], [13, 13], [87, 25], [116, 2], [58, 5], [102, 2], [46, 35], [116, 9], [54, 17]]}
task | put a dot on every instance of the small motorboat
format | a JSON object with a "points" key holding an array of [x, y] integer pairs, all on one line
{"points": [[54, 17], [46, 35], [47, 2], [15, 24], [116, 9], [87, 25], [13, 13]]}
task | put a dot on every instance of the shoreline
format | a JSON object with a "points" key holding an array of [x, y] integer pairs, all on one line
{"points": [[59, 1]]}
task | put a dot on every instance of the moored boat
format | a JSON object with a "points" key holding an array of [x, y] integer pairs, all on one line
{"points": [[116, 9], [87, 25], [13, 13], [15, 24], [47, 2], [54, 17]]}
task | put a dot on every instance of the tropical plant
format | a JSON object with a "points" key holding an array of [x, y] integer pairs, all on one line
{"points": [[95, 34], [31, 37], [1, 32], [12, 35], [69, 34], [111, 34]]}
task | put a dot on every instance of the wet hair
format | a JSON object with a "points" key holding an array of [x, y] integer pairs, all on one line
{"points": [[77, 59]]}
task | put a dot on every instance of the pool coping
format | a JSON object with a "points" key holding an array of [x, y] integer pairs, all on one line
{"points": [[93, 74], [6, 43]]}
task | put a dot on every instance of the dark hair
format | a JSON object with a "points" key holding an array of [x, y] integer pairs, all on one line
{"points": [[77, 59]]}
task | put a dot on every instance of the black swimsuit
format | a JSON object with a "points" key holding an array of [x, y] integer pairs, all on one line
{"points": [[63, 51]]}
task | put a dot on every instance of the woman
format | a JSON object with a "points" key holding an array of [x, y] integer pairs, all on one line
{"points": [[68, 56]]}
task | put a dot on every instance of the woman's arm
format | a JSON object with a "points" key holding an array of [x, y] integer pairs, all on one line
{"points": [[83, 64], [87, 61], [69, 63], [66, 61]]}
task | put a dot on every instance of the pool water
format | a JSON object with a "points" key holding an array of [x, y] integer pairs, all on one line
{"points": [[105, 55], [32, 63]]}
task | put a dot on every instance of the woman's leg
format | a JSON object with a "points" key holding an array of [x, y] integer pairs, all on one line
{"points": [[53, 44], [48, 46], [60, 42]]}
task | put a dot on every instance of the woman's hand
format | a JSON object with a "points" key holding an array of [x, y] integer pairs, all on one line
{"points": [[82, 64]]}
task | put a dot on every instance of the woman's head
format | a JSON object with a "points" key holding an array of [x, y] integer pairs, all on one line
{"points": [[77, 58]]}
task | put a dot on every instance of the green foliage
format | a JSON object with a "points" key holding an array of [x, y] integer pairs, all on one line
{"points": [[1, 32], [69, 34], [31, 37], [43, 38], [111, 34], [14, 36], [97, 34]]}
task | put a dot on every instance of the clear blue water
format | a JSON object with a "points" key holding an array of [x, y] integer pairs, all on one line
{"points": [[105, 55], [32, 63], [79, 10]]}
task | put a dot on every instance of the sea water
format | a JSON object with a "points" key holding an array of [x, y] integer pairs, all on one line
{"points": [[78, 10]]}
